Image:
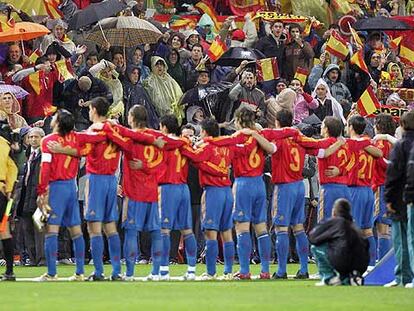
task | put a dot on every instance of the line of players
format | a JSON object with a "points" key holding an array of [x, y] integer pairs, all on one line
{"points": [[157, 198]]}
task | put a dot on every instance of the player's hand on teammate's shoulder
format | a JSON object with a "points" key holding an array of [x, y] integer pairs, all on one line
{"points": [[135, 164], [55, 147], [159, 142]]}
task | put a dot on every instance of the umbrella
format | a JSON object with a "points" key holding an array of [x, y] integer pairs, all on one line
{"points": [[381, 23], [124, 31], [14, 89], [23, 31], [234, 56], [95, 12]]}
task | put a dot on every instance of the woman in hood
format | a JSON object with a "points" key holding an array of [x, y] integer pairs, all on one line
{"points": [[59, 35], [175, 68], [136, 60], [395, 74], [328, 105], [177, 42], [9, 110], [163, 90]]}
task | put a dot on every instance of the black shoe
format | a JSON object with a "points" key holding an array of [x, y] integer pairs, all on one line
{"points": [[96, 278], [8, 277], [116, 278], [301, 276], [275, 276]]}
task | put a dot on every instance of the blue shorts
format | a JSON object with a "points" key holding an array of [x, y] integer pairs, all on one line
{"points": [[328, 194], [380, 208], [63, 199], [175, 205], [140, 216], [362, 201], [216, 208], [250, 200], [288, 204], [101, 198]]}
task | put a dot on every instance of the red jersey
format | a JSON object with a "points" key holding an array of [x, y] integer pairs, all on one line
{"points": [[57, 166], [213, 162], [138, 185], [176, 165], [361, 163], [380, 164]]}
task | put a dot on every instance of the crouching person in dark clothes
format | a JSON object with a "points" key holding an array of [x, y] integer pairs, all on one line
{"points": [[340, 251]]}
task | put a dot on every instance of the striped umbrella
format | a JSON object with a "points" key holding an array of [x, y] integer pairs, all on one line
{"points": [[124, 31]]}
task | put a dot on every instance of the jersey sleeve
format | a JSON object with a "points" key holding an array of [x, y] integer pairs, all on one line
{"points": [[139, 137], [113, 133], [85, 140], [173, 143], [355, 145], [198, 155], [311, 143], [276, 134]]}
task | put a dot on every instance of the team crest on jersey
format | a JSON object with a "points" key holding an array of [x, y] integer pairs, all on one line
{"points": [[166, 220]]}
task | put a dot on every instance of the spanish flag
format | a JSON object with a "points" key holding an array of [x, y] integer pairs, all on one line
{"points": [[267, 69], [358, 60], [64, 67], [217, 48], [368, 103], [208, 9], [4, 26], [407, 52], [52, 10], [35, 81], [355, 36], [34, 56], [337, 46], [301, 74], [395, 43]]}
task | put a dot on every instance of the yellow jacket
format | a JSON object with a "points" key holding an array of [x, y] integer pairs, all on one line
{"points": [[8, 169]]}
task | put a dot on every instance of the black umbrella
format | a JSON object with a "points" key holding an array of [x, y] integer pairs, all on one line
{"points": [[381, 23], [95, 12], [234, 56]]}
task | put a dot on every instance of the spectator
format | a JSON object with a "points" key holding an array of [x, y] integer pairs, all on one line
{"points": [[284, 101], [190, 66], [136, 60], [177, 42], [14, 57], [303, 102], [9, 111], [298, 53], [58, 35], [26, 206], [395, 73], [175, 69], [163, 90]]}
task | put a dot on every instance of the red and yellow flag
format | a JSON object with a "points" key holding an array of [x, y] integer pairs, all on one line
{"points": [[64, 67], [217, 48], [368, 103], [301, 74], [337, 46], [407, 52], [52, 10], [355, 36], [208, 9], [358, 60], [4, 26], [34, 56], [267, 69], [395, 43], [35, 81]]}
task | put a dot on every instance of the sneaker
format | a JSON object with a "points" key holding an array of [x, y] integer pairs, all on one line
{"points": [[264, 276], [96, 278], [275, 276], [128, 278], [335, 281], [301, 276], [189, 276], [165, 277], [66, 261], [393, 283], [143, 262], [409, 285], [8, 277], [227, 277], [369, 269], [46, 277], [115, 278], [90, 262], [153, 277], [76, 278], [242, 276], [207, 277]]}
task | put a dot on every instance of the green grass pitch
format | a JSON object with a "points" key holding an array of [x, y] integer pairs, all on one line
{"points": [[215, 295]]}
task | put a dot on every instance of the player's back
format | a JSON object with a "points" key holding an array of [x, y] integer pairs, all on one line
{"points": [[287, 161], [176, 167], [250, 163], [215, 171], [340, 160], [380, 164], [62, 166], [360, 166]]}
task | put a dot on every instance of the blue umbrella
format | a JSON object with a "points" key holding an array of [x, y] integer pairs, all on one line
{"points": [[14, 89]]}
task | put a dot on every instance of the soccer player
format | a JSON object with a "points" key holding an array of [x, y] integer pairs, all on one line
{"points": [[140, 185], [57, 188], [213, 162], [385, 130], [174, 200]]}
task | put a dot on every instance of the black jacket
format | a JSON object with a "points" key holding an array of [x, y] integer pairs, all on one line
{"points": [[409, 187], [272, 48], [27, 202], [347, 249], [397, 175]]}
